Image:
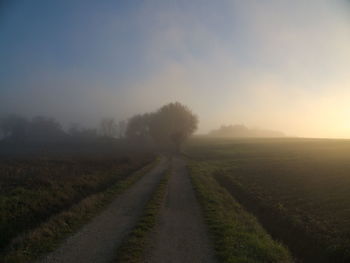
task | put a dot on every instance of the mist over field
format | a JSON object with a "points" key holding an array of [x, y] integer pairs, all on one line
{"points": [[278, 65], [175, 131]]}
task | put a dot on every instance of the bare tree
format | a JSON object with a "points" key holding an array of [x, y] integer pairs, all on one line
{"points": [[121, 129], [74, 129], [79, 132], [108, 127]]}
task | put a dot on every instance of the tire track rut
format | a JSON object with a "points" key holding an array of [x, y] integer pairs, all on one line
{"points": [[181, 234]]}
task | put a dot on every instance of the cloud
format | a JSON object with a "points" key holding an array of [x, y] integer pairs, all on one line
{"points": [[276, 64], [299, 67]]}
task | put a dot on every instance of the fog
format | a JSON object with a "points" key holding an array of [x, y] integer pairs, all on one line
{"points": [[280, 65]]}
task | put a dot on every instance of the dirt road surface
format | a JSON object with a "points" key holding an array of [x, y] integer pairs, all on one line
{"points": [[181, 234], [97, 241]]}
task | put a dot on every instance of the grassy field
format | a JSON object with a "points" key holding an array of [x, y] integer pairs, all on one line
{"points": [[297, 188], [35, 192]]}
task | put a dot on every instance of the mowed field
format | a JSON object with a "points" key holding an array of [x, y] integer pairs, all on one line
{"points": [[298, 189]]}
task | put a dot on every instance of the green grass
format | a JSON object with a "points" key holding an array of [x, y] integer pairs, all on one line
{"points": [[48, 235], [236, 235], [297, 188], [134, 246]]}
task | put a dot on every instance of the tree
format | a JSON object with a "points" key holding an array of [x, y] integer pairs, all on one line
{"points": [[121, 129], [169, 126], [79, 133], [74, 129], [14, 127], [108, 127], [43, 128], [138, 127], [39, 129], [173, 123]]}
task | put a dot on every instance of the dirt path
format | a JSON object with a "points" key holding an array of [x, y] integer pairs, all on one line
{"points": [[96, 242], [181, 233]]}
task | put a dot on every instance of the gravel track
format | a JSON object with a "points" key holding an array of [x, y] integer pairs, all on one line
{"points": [[97, 241], [181, 235]]}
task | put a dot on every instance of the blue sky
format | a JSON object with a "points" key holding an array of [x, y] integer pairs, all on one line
{"points": [[277, 64]]}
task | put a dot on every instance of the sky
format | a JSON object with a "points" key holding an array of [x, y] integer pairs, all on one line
{"points": [[276, 64]]}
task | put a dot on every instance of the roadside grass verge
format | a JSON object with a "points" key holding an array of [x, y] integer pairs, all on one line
{"points": [[47, 236], [236, 235], [306, 245], [133, 247]]}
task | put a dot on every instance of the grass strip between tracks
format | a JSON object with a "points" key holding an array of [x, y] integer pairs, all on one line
{"points": [[134, 246]]}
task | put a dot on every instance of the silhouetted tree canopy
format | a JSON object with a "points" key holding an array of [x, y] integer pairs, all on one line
{"points": [[45, 135], [172, 124], [17, 128], [44, 129], [77, 132], [166, 128], [14, 126], [138, 126]]}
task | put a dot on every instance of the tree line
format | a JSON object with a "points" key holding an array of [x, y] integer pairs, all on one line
{"points": [[16, 128], [167, 127]]}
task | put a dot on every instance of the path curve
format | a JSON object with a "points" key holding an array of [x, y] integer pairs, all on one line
{"points": [[181, 234], [97, 241]]}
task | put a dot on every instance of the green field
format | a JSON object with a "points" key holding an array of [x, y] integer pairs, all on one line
{"points": [[298, 189]]}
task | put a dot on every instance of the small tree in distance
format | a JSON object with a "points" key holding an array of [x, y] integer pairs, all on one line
{"points": [[172, 124]]}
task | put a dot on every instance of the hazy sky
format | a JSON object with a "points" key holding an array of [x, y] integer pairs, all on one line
{"points": [[275, 64]]}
